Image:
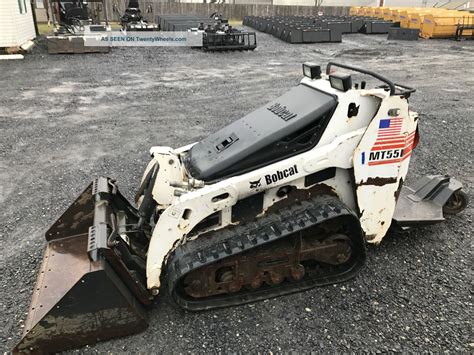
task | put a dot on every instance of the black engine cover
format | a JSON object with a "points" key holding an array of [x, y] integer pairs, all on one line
{"points": [[292, 123]]}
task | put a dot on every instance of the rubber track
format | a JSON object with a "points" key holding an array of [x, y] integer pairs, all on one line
{"points": [[234, 240]]}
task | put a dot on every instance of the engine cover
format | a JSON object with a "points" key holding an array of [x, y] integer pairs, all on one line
{"points": [[292, 123]]}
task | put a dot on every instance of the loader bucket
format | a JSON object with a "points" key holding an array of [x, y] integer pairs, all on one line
{"points": [[86, 292]]}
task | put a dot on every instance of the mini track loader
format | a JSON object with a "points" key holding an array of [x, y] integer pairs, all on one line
{"points": [[279, 201]]}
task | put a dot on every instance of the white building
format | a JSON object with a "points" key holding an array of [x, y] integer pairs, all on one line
{"points": [[16, 23]]}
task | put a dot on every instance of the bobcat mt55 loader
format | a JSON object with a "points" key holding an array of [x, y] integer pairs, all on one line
{"points": [[280, 201]]}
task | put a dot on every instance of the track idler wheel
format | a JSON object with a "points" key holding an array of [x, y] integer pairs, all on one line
{"points": [[345, 253]]}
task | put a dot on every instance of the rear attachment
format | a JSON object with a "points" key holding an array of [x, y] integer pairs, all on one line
{"points": [[428, 201], [314, 243], [91, 285]]}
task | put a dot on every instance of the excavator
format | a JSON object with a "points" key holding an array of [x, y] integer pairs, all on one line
{"points": [[280, 201]]}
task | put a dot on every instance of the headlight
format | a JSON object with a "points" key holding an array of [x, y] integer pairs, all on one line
{"points": [[311, 70], [342, 82]]}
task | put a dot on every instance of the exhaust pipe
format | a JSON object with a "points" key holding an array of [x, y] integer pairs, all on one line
{"points": [[91, 285]]}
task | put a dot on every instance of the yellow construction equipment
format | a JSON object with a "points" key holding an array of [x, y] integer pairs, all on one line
{"points": [[396, 13], [405, 16], [432, 22], [387, 13], [445, 24], [415, 18], [354, 11], [378, 12], [369, 12]]}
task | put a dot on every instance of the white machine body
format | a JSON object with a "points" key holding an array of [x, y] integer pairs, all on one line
{"points": [[375, 144]]}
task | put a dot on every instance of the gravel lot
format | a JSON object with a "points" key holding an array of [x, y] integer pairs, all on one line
{"points": [[66, 119]]}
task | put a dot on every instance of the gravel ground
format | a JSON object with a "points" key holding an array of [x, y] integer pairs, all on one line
{"points": [[66, 119]]}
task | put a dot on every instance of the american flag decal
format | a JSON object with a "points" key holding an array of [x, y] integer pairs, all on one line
{"points": [[391, 146]]}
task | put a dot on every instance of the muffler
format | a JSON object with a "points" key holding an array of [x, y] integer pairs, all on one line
{"points": [[91, 285]]}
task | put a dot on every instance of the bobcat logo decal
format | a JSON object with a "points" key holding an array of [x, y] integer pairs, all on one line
{"points": [[255, 184]]}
